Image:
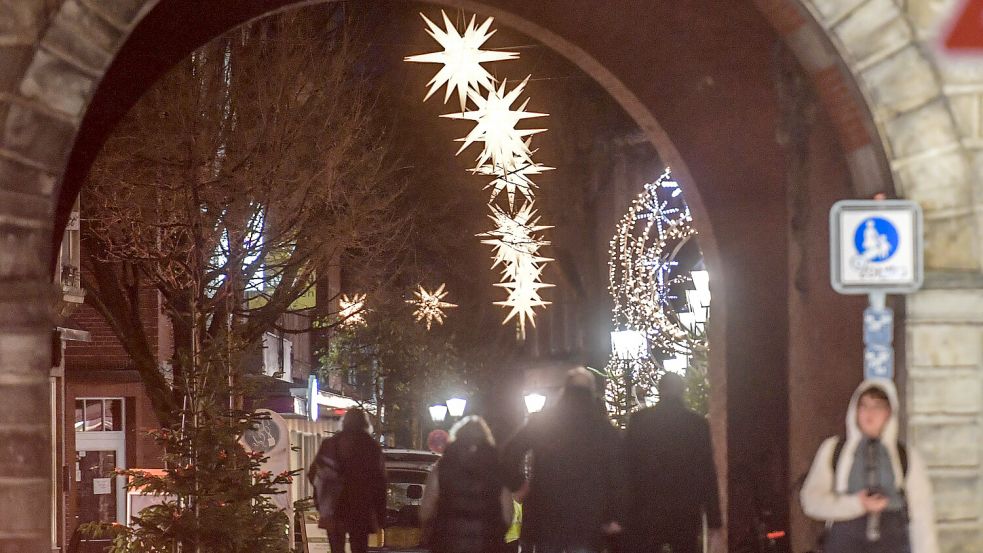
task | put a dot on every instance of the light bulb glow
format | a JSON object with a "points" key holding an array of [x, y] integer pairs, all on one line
{"points": [[438, 412], [456, 406], [534, 402]]}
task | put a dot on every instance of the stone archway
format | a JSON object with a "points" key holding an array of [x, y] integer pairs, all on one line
{"points": [[56, 57]]}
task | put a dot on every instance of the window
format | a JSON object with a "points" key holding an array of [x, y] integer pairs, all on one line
{"points": [[98, 415]]}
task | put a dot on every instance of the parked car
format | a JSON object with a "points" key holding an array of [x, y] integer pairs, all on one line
{"points": [[406, 473]]}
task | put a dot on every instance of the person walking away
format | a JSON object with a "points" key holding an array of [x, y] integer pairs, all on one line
{"points": [[872, 490], [350, 484], [672, 480], [574, 497], [466, 507]]}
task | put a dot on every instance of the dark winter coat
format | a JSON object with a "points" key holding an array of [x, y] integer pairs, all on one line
{"points": [[671, 476], [575, 488], [468, 517], [361, 504]]}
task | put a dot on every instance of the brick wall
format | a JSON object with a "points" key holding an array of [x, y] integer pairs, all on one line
{"points": [[105, 351]]}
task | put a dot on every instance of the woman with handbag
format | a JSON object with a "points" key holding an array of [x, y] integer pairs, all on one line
{"points": [[350, 484]]}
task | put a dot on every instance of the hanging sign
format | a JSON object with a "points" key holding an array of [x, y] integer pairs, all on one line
{"points": [[876, 246]]}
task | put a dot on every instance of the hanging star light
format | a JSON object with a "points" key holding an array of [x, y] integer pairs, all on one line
{"points": [[462, 57], [430, 305], [511, 178], [514, 239], [352, 310], [523, 299], [495, 123]]}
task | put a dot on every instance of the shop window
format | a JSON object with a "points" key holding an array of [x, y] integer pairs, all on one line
{"points": [[98, 415]]}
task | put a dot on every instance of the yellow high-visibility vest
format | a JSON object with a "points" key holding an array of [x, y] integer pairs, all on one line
{"points": [[516, 527]]}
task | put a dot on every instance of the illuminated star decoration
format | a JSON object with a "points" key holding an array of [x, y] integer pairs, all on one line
{"points": [[495, 122], [506, 155], [462, 57], [430, 305], [512, 178], [352, 310], [516, 245]]}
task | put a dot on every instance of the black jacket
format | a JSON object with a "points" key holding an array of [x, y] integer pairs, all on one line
{"points": [[469, 507], [361, 505], [575, 486], [671, 475]]}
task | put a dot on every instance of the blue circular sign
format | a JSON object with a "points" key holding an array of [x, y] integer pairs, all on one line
{"points": [[876, 239]]}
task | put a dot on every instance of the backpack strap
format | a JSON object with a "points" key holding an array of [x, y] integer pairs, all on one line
{"points": [[903, 457], [837, 451]]}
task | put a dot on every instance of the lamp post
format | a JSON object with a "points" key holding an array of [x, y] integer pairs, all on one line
{"points": [[438, 412], [534, 402], [456, 406]]}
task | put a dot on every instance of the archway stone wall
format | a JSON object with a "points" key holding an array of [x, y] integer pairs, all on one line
{"points": [[52, 56], [928, 110]]}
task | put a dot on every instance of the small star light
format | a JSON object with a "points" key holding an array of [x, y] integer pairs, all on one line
{"points": [[462, 58], [352, 309], [513, 177], [430, 305], [495, 122]]}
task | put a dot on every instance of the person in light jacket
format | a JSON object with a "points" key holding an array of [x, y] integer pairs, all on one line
{"points": [[871, 490]]}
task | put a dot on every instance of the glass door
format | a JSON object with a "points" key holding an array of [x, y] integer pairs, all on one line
{"points": [[100, 449]]}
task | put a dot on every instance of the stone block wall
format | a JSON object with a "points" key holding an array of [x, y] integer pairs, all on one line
{"points": [[929, 113]]}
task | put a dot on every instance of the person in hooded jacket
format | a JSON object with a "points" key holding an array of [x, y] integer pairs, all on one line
{"points": [[466, 507], [873, 492], [575, 491], [360, 507]]}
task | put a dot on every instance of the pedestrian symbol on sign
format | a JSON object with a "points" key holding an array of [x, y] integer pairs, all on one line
{"points": [[876, 240]]}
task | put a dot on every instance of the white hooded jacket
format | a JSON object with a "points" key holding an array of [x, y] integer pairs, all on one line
{"points": [[823, 499]]}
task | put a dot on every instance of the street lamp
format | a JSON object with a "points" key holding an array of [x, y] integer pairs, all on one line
{"points": [[456, 406], [438, 412], [535, 402]]}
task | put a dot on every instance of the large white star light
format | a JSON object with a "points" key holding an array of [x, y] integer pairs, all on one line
{"points": [[430, 305], [495, 122], [462, 57], [352, 310], [523, 299], [513, 177], [515, 241]]}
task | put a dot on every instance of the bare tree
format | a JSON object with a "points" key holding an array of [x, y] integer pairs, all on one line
{"points": [[232, 186]]}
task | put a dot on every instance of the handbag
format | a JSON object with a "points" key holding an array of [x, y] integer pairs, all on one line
{"points": [[327, 482]]}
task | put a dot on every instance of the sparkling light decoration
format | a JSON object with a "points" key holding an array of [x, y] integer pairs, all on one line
{"points": [[430, 305], [462, 57], [352, 310], [642, 272], [495, 126], [506, 155]]}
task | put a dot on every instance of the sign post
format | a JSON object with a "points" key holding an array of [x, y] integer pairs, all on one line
{"points": [[876, 249]]}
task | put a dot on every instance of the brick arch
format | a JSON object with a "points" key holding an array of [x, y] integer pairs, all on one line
{"points": [[65, 57], [893, 117]]}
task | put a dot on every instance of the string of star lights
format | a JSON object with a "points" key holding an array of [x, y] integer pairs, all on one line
{"points": [[496, 110], [430, 305], [643, 273]]}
